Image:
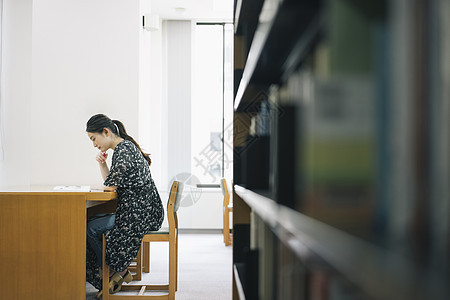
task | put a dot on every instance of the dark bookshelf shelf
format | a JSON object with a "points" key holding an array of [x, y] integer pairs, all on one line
{"points": [[246, 16], [239, 275], [266, 18], [284, 32], [265, 207], [365, 265]]}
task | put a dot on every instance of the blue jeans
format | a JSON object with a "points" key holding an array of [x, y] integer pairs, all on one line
{"points": [[96, 226]]}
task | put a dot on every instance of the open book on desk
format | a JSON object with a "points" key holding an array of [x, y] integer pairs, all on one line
{"points": [[73, 188]]}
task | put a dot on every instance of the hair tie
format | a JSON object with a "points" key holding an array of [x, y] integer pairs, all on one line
{"points": [[117, 128]]}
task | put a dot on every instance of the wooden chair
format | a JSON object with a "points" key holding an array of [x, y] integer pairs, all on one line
{"points": [[170, 235], [142, 264], [227, 208]]}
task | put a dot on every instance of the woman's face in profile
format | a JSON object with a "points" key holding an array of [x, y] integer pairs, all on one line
{"points": [[99, 140]]}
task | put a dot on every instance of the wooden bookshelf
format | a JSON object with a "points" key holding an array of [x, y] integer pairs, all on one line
{"points": [[341, 150], [365, 265]]}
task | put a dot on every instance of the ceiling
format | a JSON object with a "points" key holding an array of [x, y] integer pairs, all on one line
{"points": [[199, 10]]}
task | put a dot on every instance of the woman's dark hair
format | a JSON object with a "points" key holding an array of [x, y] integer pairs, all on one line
{"points": [[98, 122]]}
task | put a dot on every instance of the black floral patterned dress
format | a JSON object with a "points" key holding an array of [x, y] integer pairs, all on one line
{"points": [[139, 210]]}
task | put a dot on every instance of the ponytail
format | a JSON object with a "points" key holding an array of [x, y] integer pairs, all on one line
{"points": [[120, 131], [98, 122]]}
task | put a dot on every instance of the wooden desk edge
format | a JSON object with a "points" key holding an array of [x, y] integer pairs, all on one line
{"points": [[90, 196], [101, 196]]}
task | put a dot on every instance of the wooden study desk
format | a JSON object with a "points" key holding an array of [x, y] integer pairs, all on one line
{"points": [[43, 241]]}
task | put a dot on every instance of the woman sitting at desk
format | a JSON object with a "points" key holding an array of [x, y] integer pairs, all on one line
{"points": [[139, 207]]}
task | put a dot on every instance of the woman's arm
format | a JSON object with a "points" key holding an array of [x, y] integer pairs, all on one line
{"points": [[101, 159], [104, 170], [109, 188]]}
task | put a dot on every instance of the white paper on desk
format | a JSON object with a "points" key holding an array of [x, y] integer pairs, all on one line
{"points": [[72, 188]]}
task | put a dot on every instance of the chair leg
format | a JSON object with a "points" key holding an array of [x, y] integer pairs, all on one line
{"points": [[176, 262], [172, 270], [105, 275], [146, 257], [226, 227]]}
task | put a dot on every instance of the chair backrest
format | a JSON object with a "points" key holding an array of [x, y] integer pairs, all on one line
{"points": [[173, 204], [226, 194], [223, 186], [175, 195]]}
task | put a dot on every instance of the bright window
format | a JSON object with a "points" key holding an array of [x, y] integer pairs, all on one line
{"points": [[212, 103]]}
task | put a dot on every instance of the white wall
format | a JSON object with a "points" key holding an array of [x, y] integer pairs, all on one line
{"points": [[206, 212], [16, 92], [63, 62]]}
